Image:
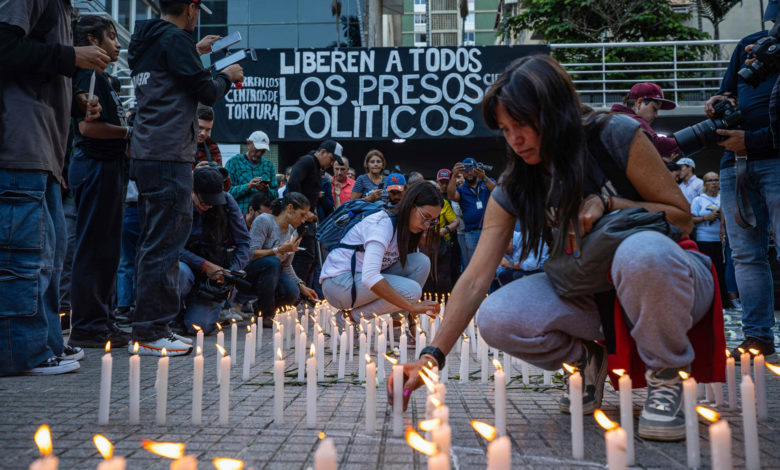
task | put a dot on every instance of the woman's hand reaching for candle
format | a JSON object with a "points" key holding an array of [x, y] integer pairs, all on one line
{"points": [[412, 381]]}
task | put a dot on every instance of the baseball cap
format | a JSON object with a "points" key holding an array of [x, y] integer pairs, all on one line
{"points": [[686, 161], [335, 148], [443, 174], [651, 91], [196, 2], [207, 182], [259, 139], [469, 161], [395, 182], [770, 14]]}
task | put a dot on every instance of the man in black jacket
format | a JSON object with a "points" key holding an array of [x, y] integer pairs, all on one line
{"points": [[169, 81], [305, 178]]}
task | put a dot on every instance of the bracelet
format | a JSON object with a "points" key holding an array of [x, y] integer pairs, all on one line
{"points": [[606, 201], [436, 353], [128, 132], [276, 250]]}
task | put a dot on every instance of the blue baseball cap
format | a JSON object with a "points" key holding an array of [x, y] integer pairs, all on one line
{"points": [[770, 14], [395, 182], [469, 161]]}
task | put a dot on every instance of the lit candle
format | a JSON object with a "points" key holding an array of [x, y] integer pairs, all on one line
{"points": [[749, 423], [311, 388], [106, 365], [380, 371], [134, 397], [499, 453], [437, 460], [320, 355], [279, 388], [198, 336], [398, 397], [300, 352], [253, 350], [43, 441], [325, 457], [464, 361], [391, 336], [362, 356], [744, 362], [575, 410], [720, 439], [499, 381], [106, 450], [233, 339], [402, 346], [197, 386], [760, 383], [370, 395], [691, 420], [421, 343], [334, 343], [228, 464], [259, 337], [731, 380], [162, 388], [351, 339], [221, 343], [172, 450], [615, 439], [277, 337], [224, 386], [248, 353], [626, 412], [442, 436], [483, 358], [342, 355]]}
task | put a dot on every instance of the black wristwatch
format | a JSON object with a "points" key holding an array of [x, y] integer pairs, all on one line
{"points": [[436, 353]]}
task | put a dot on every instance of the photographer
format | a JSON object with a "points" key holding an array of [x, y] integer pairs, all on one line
{"points": [[218, 241], [750, 246], [473, 197], [251, 173], [642, 104]]}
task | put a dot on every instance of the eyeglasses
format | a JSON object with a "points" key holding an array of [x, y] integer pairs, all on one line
{"points": [[711, 181], [426, 220]]}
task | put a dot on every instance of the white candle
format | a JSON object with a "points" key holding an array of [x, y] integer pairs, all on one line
{"points": [[311, 389], [334, 345], [547, 377], [575, 409], [320, 356], [221, 343], [499, 454], [351, 340], [760, 383], [720, 445], [473, 335], [46, 462], [499, 380], [526, 373], [342, 355], [224, 388], [197, 386], [507, 366], [691, 422], [114, 463], [421, 344], [370, 396], [325, 457], [744, 363], [300, 351], [380, 371], [717, 391], [483, 358], [259, 337], [233, 339], [253, 350], [749, 423], [464, 361], [279, 366], [277, 340], [187, 462], [248, 353], [398, 399], [106, 365], [162, 388], [391, 336], [134, 398], [402, 347], [198, 337], [731, 380], [362, 357], [627, 414], [616, 448], [439, 461], [442, 436]]}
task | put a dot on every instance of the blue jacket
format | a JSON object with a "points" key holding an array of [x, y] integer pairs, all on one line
{"points": [[237, 237]]}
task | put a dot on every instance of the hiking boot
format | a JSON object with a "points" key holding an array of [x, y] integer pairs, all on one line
{"points": [[173, 347], [593, 368], [70, 353], [662, 417], [767, 348], [53, 366]]}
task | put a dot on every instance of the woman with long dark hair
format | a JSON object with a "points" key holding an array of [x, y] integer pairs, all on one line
{"points": [[555, 185], [389, 273]]}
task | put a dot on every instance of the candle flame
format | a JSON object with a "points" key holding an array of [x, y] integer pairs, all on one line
{"points": [[435, 402], [708, 414], [108, 346], [312, 350], [170, 450], [497, 364], [62, 314], [429, 424], [684, 375], [619, 372], [428, 382], [221, 350], [603, 421], [392, 360], [219, 327], [195, 327], [368, 359], [775, 369], [279, 353], [485, 430], [754, 351], [228, 464], [43, 439], [419, 444], [465, 337], [103, 446], [135, 347], [233, 320], [429, 371], [164, 352], [570, 369], [728, 353], [321, 435], [248, 328], [742, 351], [198, 351]]}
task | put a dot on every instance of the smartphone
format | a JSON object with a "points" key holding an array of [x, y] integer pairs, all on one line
{"points": [[233, 58], [226, 42]]}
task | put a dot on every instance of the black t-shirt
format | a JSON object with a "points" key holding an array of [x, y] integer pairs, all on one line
{"points": [[305, 179], [112, 113]]}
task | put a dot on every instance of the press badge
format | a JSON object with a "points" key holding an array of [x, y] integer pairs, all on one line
{"points": [[479, 205]]}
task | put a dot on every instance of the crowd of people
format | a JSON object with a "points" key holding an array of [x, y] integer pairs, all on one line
{"points": [[145, 235]]}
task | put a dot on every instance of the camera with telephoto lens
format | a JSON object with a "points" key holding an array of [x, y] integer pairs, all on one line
{"points": [[467, 167], [217, 291], [703, 134], [766, 53]]}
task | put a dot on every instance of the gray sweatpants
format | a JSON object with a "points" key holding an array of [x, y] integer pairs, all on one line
{"points": [[408, 281], [664, 291]]}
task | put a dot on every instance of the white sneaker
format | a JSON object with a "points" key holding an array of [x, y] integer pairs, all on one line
{"points": [[173, 347], [53, 366], [72, 353], [181, 338]]}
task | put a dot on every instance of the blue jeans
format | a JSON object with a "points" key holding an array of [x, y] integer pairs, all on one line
{"points": [[69, 208], [273, 288], [32, 250], [125, 276], [470, 240], [165, 221], [728, 261], [750, 248], [197, 311], [98, 188]]}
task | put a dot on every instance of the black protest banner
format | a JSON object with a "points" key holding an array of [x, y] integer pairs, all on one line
{"points": [[380, 93]]}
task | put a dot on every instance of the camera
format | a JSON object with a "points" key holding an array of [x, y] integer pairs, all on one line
{"points": [[767, 54], [216, 291], [701, 135], [467, 167]]}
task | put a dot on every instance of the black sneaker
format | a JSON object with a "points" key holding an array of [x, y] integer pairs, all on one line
{"points": [[118, 338], [53, 366], [71, 353], [593, 368], [662, 417], [123, 316], [767, 348]]}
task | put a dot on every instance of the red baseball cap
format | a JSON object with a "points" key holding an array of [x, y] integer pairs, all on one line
{"points": [[651, 91], [443, 174]]}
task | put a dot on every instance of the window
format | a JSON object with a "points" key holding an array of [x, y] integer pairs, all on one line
{"points": [[420, 2], [420, 39], [468, 38], [419, 19]]}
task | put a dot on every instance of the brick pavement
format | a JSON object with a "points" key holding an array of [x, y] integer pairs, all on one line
{"points": [[538, 431]]}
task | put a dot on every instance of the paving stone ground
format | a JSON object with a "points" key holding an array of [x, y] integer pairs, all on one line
{"points": [[539, 433]]}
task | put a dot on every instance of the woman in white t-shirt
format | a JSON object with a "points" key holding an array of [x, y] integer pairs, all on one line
{"points": [[389, 275]]}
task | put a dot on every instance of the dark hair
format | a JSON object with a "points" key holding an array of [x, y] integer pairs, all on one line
{"points": [[631, 102], [115, 84], [536, 91], [205, 113], [215, 225], [173, 8], [415, 196], [297, 200], [259, 200], [95, 25]]}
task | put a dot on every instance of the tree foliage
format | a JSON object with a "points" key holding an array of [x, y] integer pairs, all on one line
{"points": [[715, 11]]}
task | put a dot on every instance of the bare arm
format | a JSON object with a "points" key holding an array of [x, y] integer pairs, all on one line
{"points": [[452, 189]]}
